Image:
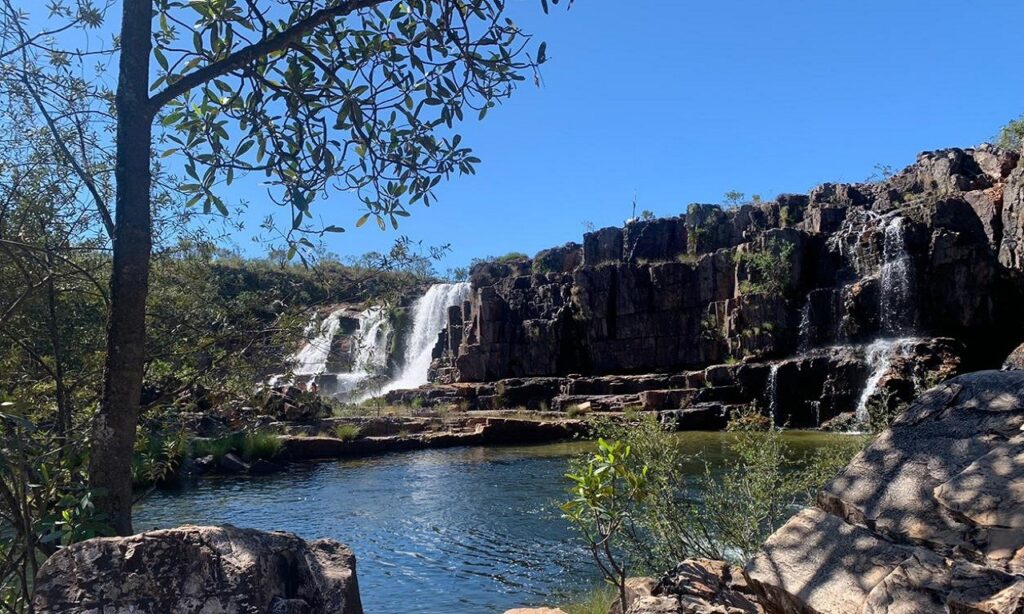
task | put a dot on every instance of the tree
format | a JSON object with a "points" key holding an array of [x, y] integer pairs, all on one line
{"points": [[359, 95]]}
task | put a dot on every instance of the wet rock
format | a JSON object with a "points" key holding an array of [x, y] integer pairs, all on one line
{"points": [[680, 293], [265, 467], [193, 570], [230, 463]]}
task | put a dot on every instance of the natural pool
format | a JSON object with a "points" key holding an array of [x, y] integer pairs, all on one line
{"points": [[463, 530]]}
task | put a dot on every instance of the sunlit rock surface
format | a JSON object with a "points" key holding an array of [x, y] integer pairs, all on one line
{"points": [[193, 570], [929, 517]]}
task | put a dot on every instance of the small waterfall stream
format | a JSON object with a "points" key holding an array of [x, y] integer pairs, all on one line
{"points": [[878, 356], [773, 391], [897, 300]]}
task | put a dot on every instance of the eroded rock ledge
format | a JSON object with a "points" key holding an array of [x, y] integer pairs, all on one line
{"points": [[193, 570], [928, 518]]}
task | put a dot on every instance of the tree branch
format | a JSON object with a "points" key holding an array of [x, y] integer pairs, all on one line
{"points": [[245, 55]]}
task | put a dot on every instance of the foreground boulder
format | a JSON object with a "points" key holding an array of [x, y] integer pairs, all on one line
{"points": [[1015, 361], [208, 570], [928, 518]]}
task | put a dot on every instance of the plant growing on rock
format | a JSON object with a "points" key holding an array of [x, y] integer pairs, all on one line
{"points": [[1011, 136], [769, 269], [607, 490]]}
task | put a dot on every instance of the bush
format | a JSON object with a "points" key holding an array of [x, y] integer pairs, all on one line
{"points": [[607, 491], [45, 503], [769, 269], [260, 446], [725, 513], [1011, 136], [346, 432]]}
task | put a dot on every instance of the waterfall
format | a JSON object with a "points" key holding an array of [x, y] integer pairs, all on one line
{"points": [[878, 357], [806, 332], [369, 353], [897, 302], [773, 391], [311, 360], [430, 317], [371, 350]]}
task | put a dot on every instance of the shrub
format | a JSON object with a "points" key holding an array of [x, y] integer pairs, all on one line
{"points": [[769, 269], [346, 432], [725, 513], [260, 446], [607, 490], [1011, 136], [217, 448]]}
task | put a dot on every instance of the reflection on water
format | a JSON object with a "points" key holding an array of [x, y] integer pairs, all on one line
{"points": [[466, 530]]}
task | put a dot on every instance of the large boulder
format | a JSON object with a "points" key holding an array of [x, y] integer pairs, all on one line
{"points": [[193, 569], [929, 517]]}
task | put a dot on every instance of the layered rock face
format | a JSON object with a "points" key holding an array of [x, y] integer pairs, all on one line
{"points": [[936, 251], [208, 570], [928, 518]]}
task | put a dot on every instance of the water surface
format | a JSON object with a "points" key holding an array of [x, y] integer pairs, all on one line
{"points": [[460, 531]]}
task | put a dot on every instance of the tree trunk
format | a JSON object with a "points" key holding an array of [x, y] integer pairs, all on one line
{"points": [[114, 427]]}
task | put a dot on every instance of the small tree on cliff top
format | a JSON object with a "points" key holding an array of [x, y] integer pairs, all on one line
{"points": [[357, 95]]}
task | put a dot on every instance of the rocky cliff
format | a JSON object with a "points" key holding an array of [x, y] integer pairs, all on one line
{"points": [[921, 271]]}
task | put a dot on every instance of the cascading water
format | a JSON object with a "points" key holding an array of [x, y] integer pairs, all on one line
{"points": [[897, 301], [806, 331], [772, 391], [430, 316], [878, 356], [371, 351], [311, 360]]}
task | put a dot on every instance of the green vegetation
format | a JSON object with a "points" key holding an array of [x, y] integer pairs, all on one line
{"points": [[644, 505], [1011, 136], [598, 600], [769, 269], [258, 445], [606, 494], [346, 432]]}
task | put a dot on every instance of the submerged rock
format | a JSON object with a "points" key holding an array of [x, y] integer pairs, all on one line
{"points": [[199, 570], [929, 517]]}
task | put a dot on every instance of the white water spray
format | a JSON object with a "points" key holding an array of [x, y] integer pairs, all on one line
{"points": [[772, 391], [371, 350], [878, 357], [311, 359], [430, 316], [897, 302]]}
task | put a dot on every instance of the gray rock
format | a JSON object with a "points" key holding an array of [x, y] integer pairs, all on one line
{"points": [[230, 463], [199, 570], [928, 518]]}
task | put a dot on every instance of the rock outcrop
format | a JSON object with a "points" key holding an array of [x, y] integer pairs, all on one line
{"points": [[200, 570], [765, 282], [699, 586], [928, 518]]}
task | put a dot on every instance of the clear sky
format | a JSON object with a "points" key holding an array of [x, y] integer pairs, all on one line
{"points": [[676, 101]]}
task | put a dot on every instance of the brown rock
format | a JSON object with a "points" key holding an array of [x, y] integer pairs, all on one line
{"points": [[1015, 361], [193, 570]]}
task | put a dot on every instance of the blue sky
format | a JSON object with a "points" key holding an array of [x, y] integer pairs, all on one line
{"points": [[673, 102]]}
